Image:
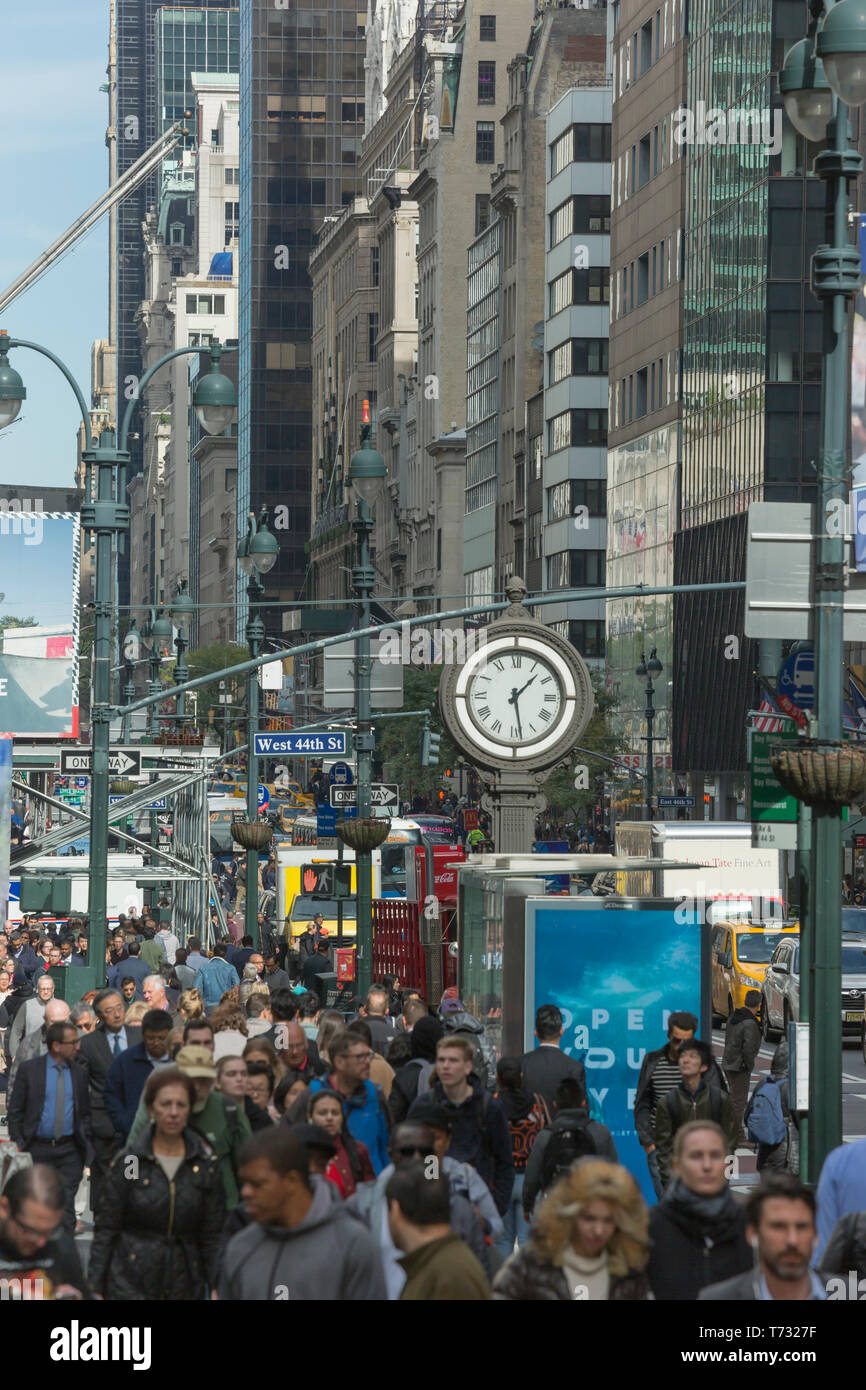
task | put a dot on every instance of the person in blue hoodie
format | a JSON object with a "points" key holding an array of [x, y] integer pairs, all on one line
{"points": [[364, 1105]]}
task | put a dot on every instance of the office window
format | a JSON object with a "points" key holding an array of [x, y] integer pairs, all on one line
{"points": [[175, 234], [640, 395], [658, 33], [572, 569], [643, 161], [486, 84], [374, 267], [564, 498], [372, 335], [655, 150], [653, 259], [591, 143], [485, 142], [646, 47], [562, 152], [584, 213], [592, 286], [642, 278], [482, 212], [487, 28], [577, 429]]}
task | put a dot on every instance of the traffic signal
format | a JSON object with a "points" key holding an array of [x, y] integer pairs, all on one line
{"points": [[428, 754], [441, 795], [449, 772]]}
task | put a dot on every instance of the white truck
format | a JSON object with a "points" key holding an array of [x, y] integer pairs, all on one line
{"points": [[74, 869], [731, 880]]}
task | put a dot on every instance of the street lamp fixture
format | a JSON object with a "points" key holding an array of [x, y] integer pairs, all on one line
{"points": [[258, 549], [805, 91], [12, 390], [841, 45], [215, 399], [159, 632], [367, 470]]}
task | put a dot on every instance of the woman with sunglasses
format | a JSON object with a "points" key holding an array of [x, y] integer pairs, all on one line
{"points": [[351, 1165]]}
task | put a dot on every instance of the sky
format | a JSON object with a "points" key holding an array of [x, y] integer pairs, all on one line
{"points": [[53, 165]]}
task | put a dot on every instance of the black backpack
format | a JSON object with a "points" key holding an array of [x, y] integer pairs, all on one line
{"points": [[564, 1148]]}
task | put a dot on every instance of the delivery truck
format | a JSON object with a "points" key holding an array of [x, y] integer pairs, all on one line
{"points": [[731, 881]]}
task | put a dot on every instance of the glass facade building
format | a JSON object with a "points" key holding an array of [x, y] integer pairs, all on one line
{"points": [[189, 41], [482, 362], [302, 119], [751, 352], [138, 123]]}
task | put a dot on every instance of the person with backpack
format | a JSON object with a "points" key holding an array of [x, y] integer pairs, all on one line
{"points": [[480, 1130], [695, 1098], [698, 1229], [546, 1065], [458, 1023], [527, 1116], [413, 1078], [742, 1044], [770, 1122], [573, 1135]]}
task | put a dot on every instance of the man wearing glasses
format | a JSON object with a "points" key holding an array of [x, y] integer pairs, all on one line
{"points": [[364, 1105], [38, 1258], [49, 1112], [409, 1143]]}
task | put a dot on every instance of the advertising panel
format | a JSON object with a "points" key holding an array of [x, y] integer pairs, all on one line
{"points": [[617, 969], [39, 572]]}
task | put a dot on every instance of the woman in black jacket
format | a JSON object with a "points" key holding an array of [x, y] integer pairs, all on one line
{"points": [[162, 1206]]}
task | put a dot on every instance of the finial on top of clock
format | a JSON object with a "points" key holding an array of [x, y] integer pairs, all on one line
{"points": [[515, 591]]}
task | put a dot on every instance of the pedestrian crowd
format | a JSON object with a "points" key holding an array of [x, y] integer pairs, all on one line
{"points": [[228, 1137]]}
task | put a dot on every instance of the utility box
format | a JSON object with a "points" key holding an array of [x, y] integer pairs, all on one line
{"points": [[46, 894]]}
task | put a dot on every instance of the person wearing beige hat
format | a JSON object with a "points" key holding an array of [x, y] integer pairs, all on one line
{"points": [[218, 1119]]}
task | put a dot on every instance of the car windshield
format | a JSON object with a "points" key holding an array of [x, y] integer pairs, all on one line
{"points": [[756, 947], [304, 909], [854, 960]]}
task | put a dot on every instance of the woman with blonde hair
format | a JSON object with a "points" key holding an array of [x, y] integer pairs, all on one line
{"points": [[190, 1005], [589, 1241], [230, 1030], [136, 1011]]}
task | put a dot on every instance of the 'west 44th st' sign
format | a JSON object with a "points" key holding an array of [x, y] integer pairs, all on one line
{"points": [[333, 744], [122, 762]]}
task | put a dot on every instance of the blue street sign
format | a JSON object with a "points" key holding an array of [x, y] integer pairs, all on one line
{"points": [[858, 508], [82, 783], [302, 745], [676, 801], [326, 821], [160, 804], [341, 775], [797, 678], [264, 795]]}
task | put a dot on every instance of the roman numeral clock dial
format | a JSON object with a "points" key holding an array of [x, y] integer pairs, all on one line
{"points": [[522, 699]]}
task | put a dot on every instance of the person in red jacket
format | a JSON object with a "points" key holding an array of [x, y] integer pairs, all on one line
{"points": [[351, 1164]]}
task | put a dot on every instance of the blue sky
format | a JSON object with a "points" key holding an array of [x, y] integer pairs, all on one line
{"points": [[53, 165]]}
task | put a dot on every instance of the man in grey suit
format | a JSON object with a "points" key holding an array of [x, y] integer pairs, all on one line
{"points": [[98, 1049], [780, 1223], [34, 1044]]}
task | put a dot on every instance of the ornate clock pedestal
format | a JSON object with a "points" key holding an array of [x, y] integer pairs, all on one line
{"points": [[513, 803]]}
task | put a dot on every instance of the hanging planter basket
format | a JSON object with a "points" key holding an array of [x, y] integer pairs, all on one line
{"points": [[363, 836], [123, 787], [826, 775], [251, 834]]}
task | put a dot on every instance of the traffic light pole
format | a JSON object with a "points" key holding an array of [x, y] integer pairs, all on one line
{"points": [[363, 580]]}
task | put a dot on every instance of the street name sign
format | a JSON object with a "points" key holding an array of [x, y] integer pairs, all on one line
{"points": [[335, 743]]}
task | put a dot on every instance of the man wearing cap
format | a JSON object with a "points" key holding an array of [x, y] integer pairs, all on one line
{"points": [[219, 1119]]}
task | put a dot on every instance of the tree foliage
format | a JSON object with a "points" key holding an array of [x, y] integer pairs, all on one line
{"points": [[597, 737], [215, 657], [398, 740]]}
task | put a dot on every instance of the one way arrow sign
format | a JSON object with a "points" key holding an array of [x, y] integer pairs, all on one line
{"points": [[122, 762], [384, 799]]}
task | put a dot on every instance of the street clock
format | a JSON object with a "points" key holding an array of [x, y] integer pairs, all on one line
{"points": [[522, 699]]}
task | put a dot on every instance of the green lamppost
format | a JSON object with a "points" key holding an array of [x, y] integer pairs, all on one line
{"points": [[366, 473], [822, 75], [182, 610], [650, 668], [257, 554], [106, 513]]}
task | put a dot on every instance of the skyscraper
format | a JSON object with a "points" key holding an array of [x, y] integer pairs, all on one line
{"points": [[302, 118]]}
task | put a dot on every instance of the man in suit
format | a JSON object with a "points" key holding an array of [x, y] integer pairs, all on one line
{"points": [[34, 1044], [49, 1112], [80, 952], [133, 966], [67, 954], [129, 1071], [157, 996], [780, 1225], [29, 1017], [110, 1039], [547, 1065], [26, 959]]}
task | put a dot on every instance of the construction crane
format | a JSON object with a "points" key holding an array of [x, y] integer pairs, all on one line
{"points": [[146, 164]]}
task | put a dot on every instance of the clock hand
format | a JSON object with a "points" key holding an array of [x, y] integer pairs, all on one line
{"points": [[512, 700]]}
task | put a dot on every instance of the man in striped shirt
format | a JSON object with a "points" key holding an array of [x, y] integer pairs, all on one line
{"points": [[659, 1074]]}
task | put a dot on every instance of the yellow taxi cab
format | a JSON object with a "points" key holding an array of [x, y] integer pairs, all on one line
{"points": [[741, 952], [304, 909], [291, 794]]}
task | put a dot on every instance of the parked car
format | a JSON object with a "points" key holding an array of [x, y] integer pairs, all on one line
{"points": [[780, 1002], [741, 953], [780, 993]]}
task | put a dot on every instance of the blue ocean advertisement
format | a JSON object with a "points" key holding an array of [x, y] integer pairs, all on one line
{"points": [[616, 973]]}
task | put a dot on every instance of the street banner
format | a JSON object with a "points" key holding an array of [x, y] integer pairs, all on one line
{"points": [[616, 971]]}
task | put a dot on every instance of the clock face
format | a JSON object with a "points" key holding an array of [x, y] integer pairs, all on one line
{"points": [[516, 700], [515, 697]]}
